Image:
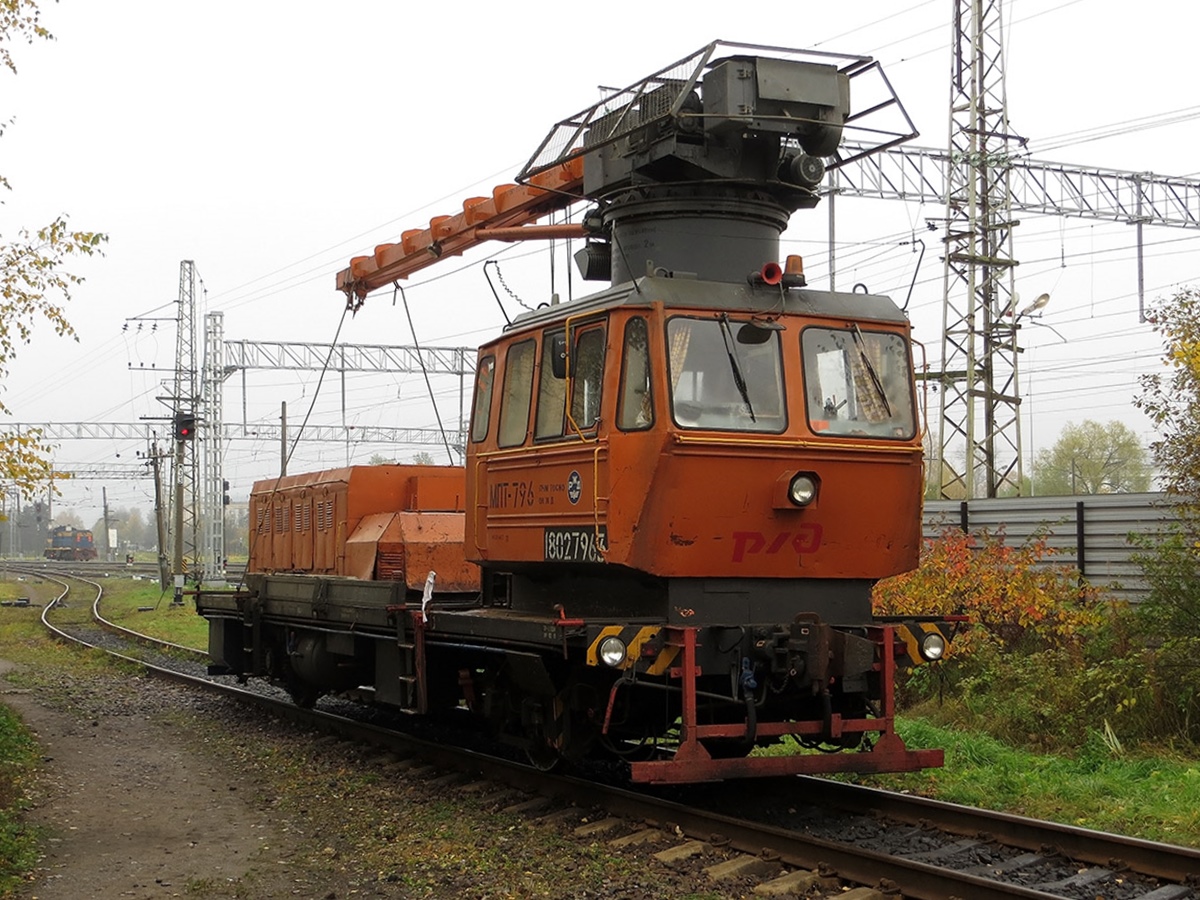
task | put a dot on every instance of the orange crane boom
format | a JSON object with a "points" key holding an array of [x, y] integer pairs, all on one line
{"points": [[506, 215]]}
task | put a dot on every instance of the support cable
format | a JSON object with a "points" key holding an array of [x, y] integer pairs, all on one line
{"points": [[424, 371], [257, 527]]}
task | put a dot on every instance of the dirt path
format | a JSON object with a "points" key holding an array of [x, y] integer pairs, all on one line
{"points": [[131, 811], [150, 790]]}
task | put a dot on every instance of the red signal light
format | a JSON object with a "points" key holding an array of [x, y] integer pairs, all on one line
{"points": [[185, 426]]}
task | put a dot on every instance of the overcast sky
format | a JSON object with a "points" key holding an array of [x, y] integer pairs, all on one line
{"points": [[269, 142]]}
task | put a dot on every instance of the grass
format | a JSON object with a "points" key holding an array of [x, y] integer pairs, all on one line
{"points": [[1100, 787], [18, 843], [124, 599]]}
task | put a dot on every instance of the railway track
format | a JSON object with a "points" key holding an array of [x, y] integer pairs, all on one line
{"points": [[794, 836], [233, 571]]}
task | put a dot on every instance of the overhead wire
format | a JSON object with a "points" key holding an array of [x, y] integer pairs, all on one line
{"points": [[402, 217], [284, 285], [1113, 129]]}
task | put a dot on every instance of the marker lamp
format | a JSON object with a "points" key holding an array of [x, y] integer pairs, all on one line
{"points": [[933, 646], [612, 651], [802, 490]]}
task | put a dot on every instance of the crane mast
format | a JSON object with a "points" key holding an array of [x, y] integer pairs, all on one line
{"points": [[729, 140]]}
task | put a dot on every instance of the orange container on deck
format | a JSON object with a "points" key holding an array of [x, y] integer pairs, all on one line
{"points": [[369, 522]]}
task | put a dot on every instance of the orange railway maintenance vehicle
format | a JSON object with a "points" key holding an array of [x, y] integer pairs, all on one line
{"points": [[678, 491]]}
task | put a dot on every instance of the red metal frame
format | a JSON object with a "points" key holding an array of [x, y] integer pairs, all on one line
{"points": [[418, 623], [692, 762]]}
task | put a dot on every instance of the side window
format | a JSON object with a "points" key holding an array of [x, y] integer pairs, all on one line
{"points": [[518, 391], [482, 408], [637, 411], [587, 375], [552, 393]]}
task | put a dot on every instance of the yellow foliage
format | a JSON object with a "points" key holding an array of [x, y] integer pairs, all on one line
{"points": [[25, 462], [1006, 591]]}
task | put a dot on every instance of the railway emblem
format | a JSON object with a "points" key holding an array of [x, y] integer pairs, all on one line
{"points": [[806, 539], [574, 487]]}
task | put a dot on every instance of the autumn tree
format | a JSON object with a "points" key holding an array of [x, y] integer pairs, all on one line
{"points": [[34, 283], [1010, 593], [1171, 560], [129, 525], [67, 517], [1091, 458], [1171, 398]]}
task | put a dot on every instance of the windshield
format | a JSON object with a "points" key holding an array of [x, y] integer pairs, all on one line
{"points": [[721, 382], [858, 382]]}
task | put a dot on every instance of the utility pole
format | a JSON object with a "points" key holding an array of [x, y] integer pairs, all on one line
{"points": [[283, 438], [178, 570], [160, 519], [108, 556]]}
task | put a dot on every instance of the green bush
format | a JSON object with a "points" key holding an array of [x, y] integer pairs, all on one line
{"points": [[1049, 666], [1170, 620]]}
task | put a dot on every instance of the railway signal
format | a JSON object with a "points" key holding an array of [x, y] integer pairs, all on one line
{"points": [[185, 426]]}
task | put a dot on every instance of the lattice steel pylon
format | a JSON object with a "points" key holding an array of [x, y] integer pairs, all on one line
{"points": [[213, 450], [980, 426], [184, 404]]}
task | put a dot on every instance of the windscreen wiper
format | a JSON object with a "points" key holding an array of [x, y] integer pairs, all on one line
{"points": [[862, 353], [731, 350]]}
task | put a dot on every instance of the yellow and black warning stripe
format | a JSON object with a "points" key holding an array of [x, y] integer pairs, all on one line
{"points": [[635, 638], [912, 634]]}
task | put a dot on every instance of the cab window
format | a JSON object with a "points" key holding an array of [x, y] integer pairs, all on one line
{"points": [[587, 375], [725, 374], [482, 408], [552, 391], [518, 392], [637, 410], [858, 382]]}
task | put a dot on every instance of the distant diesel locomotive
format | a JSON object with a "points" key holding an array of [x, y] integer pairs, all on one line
{"points": [[69, 543], [678, 492]]}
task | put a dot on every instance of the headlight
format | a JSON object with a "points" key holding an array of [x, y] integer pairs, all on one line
{"points": [[933, 645], [802, 490], [612, 651]]}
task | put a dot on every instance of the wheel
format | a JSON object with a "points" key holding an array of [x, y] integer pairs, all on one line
{"points": [[303, 695], [542, 756]]}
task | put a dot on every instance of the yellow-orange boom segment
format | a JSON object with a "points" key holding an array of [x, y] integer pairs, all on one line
{"points": [[511, 206]]}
